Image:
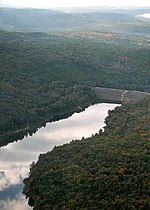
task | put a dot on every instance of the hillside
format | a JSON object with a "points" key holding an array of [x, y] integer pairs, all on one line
{"points": [[42, 20], [107, 171], [46, 76]]}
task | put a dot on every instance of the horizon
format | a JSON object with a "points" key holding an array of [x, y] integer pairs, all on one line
{"points": [[45, 4]]}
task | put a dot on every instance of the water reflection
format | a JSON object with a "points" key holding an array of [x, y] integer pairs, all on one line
{"points": [[15, 204], [16, 157]]}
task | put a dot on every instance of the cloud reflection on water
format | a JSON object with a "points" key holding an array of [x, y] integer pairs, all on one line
{"points": [[12, 174], [16, 157], [15, 204]]}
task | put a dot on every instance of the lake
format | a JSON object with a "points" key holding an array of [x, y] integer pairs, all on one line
{"points": [[16, 157], [145, 15]]}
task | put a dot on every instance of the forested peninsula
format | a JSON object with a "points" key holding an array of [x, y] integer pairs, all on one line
{"points": [[107, 171]]}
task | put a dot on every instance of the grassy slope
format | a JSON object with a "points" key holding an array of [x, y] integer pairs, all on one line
{"points": [[107, 171]]}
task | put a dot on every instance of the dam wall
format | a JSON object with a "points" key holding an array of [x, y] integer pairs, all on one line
{"points": [[109, 95]]}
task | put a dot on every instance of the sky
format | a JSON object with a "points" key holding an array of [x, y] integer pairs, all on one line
{"points": [[73, 3]]}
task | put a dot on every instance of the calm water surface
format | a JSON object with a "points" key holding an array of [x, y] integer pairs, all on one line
{"points": [[15, 158]]}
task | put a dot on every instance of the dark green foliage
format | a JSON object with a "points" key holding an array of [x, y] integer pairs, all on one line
{"points": [[45, 76], [108, 171]]}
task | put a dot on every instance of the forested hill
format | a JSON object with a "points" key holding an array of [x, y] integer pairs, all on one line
{"points": [[107, 171], [44, 76], [108, 20], [49, 60]]}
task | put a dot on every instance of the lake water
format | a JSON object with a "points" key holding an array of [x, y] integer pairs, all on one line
{"points": [[145, 15], [16, 157]]}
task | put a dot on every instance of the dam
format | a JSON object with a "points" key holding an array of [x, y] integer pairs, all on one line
{"points": [[109, 95]]}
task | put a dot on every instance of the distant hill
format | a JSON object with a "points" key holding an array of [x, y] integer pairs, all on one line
{"points": [[42, 20], [38, 20]]}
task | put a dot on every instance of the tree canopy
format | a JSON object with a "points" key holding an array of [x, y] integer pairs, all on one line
{"points": [[44, 76]]}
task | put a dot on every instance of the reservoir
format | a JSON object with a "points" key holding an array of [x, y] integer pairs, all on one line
{"points": [[15, 158]]}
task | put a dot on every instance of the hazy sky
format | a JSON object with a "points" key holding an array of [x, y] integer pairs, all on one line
{"points": [[72, 3]]}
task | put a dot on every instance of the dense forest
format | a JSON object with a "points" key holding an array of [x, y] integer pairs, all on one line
{"points": [[108, 171], [49, 63], [45, 76]]}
